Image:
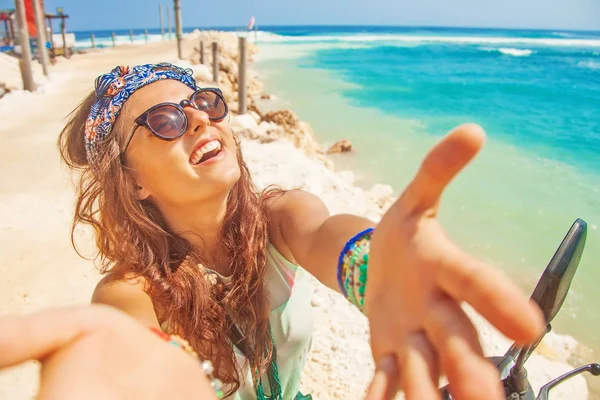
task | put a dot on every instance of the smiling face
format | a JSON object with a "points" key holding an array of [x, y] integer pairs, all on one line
{"points": [[200, 165]]}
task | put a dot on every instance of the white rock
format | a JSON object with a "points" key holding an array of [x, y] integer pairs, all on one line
{"points": [[202, 73], [557, 347], [244, 121], [265, 126], [380, 191], [255, 116], [347, 176], [316, 301]]}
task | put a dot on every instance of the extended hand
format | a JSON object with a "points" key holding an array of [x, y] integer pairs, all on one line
{"points": [[96, 352], [417, 280]]}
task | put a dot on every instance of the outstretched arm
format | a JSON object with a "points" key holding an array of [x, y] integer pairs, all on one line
{"points": [[417, 279]]}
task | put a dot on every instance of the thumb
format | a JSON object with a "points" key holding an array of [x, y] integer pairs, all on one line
{"points": [[36, 336], [443, 162]]}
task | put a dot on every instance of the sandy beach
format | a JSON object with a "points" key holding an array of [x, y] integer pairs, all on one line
{"points": [[40, 269]]}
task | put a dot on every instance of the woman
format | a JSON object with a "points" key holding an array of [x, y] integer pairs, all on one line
{"points": [[189, 247]]}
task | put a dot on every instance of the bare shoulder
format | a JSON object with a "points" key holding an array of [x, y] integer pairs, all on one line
{"points": [[129, 295], [295, 202], [293, 217]]}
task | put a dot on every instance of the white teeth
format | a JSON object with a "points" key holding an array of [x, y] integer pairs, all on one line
{"points": [[201, 151], [210, 146]]}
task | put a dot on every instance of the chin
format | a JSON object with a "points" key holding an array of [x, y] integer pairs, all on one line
{"points": [[225, 179], [232, 177]]}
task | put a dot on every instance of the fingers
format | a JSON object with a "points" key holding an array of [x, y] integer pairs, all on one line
{"points": [[35, 336], [492, 294], [453, 335], [441, 165], [384, 385], [417, 374], [419, 370]]}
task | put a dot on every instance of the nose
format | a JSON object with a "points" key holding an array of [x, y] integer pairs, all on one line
{"points": [[197, 120]]}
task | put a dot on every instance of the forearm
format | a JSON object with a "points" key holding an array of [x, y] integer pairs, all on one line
{"points": [[322, 252]]}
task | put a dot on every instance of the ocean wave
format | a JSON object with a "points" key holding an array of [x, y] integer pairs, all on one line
{"points": [[515, 52], [509, 51], [103, 42], [595, 65], [563, 34], [557, 42]]}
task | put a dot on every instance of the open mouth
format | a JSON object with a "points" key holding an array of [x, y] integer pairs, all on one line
{"points": [[206, 152]]}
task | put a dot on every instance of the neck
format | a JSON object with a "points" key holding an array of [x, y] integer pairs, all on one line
{"points": [[201, 225]]}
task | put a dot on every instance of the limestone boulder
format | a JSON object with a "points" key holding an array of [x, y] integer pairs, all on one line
{"points": [[339, 147]]}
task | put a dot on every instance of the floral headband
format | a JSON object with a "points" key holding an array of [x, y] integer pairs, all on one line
{"points": [[113, 90]]}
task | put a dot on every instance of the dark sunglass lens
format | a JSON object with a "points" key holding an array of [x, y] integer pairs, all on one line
{"points": [[167, 121], [211, 103]]}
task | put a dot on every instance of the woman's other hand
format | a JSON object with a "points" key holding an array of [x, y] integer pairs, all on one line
{"points": [[97, 352]]}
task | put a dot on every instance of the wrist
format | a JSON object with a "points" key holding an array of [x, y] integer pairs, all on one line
{"points": [[206, 365], [352, 268]]}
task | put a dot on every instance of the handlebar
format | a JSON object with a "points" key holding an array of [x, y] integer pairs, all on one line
{"points": [[594, 369]]}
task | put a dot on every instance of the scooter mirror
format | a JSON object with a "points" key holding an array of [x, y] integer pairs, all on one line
{"points": [[552, 288]]}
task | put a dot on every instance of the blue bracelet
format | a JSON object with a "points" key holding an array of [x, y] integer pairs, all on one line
{"points": [[345, 250]]}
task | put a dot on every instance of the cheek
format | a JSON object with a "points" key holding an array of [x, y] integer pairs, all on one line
{"points": [[226, 133], [158, 168]]}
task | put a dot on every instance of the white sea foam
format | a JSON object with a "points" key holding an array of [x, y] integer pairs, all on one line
{"points": [[563, 34], [515, 52], [508, 51], [119, 40], [595, 65], [558, 42]]}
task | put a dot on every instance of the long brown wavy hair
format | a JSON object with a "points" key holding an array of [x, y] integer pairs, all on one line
{"points": [[133, 240]]}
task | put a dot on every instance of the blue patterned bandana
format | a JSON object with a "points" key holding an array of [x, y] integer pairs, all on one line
{"points": [[113, 90]]}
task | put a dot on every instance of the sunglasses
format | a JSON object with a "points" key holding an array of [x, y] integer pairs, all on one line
{"points": [[167, 121]]}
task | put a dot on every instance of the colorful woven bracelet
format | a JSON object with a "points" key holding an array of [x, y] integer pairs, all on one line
{"points": [[206, 365], [352, 268]]}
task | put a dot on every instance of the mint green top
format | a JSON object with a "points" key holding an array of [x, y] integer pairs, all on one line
{"points": [[291, 324]]}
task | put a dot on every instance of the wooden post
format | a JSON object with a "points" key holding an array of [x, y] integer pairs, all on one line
{"points": [[40, 25], [63, 31], [93, 41], [131, 35], [162, 27], [25, 60], [51, 33], [169, 20], [242, 77], [114, 40], [178, 27], [146, 34], [11, 28], [215, 55], [201, 51]]}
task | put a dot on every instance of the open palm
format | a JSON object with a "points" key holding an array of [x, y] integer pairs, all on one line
{"points": [[417, 280]]}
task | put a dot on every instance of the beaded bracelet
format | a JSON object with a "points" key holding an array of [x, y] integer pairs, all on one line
{"points": [[206, 365], [352, 268]]}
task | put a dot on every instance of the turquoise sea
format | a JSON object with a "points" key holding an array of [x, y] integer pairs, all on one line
{"points": [[394, 92]]}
